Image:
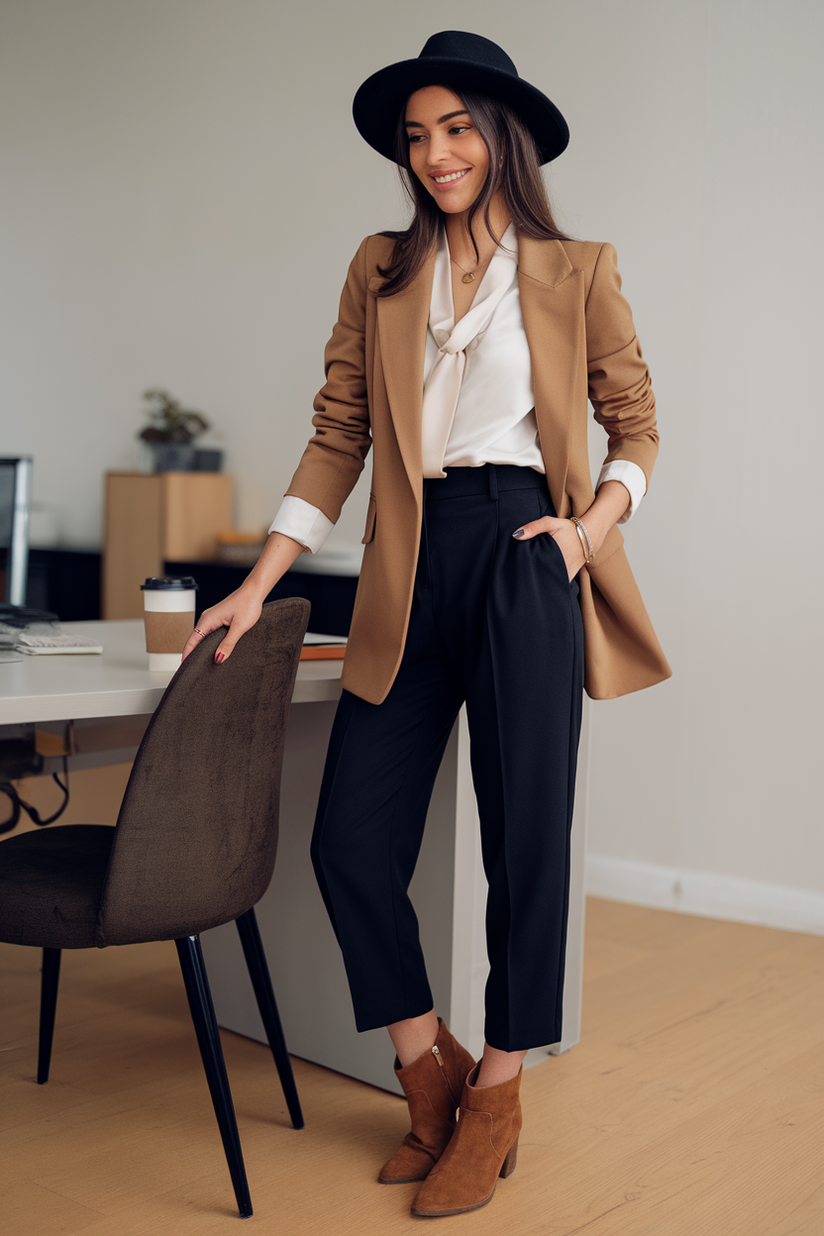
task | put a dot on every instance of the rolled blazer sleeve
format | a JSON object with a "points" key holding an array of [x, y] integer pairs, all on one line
{"points": [[619, 384], [334, 458]]}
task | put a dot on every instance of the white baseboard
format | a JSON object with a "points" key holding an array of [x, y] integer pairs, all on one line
{"points": [[709, 896]]}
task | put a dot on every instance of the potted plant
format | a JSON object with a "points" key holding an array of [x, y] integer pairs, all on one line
{"points": [[171, 431]]}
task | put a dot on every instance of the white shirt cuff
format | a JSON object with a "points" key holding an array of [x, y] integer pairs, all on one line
{"points": [[631, 477], [303, 522]]}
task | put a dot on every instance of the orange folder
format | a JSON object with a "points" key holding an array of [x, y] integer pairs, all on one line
{"points": [[323, 652]]}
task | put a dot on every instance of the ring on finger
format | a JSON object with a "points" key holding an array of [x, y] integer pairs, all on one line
{"points": [[198, 631]]}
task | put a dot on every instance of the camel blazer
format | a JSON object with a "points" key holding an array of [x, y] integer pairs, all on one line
{"points": [[583, 345]]}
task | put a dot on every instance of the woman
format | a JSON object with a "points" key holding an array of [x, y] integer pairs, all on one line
{"points": [[465, 351]]}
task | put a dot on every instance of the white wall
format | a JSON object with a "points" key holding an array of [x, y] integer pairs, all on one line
{"points": [[182, 190], [726, 271]]}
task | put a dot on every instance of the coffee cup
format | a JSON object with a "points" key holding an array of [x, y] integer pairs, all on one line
{"points": [[169, 614]]}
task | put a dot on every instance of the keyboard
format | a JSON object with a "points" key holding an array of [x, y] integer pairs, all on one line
{"points": [[45, 639]]}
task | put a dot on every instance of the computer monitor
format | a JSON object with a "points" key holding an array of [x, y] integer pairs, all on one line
{"points": [[15, 497]]}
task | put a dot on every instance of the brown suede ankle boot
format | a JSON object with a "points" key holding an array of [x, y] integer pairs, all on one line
{"points": [[432, 1085], [483, 1147]]}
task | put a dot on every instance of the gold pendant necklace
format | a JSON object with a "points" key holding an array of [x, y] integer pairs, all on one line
{"points": [[468, 276]]}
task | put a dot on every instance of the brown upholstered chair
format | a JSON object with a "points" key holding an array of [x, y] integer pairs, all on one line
{"points": [[194, 846]]}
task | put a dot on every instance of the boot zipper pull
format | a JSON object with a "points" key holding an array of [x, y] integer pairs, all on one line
{"points": [[442, 1067]]}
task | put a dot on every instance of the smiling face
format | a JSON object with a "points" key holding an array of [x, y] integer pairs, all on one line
{"points": [[446, 151]]}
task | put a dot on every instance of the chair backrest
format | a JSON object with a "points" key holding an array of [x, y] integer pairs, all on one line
{"points": [[15, 497], [197, 831]]}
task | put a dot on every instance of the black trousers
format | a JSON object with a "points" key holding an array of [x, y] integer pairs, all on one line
{"points": [[495, 622]]}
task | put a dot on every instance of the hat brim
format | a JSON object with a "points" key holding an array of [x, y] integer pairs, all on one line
{"points": [[379, 100]]}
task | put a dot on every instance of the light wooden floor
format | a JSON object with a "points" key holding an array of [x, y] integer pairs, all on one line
{"points": [[694, 1103]]}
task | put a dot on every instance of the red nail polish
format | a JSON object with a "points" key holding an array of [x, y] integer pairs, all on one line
{"points": [[219, 657]]}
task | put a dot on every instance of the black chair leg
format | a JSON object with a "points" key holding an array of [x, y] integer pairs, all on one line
{"points": [[203, 1015], [48, 1006], [261, 982]]}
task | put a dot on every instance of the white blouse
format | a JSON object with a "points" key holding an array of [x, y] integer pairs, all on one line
{"points": [[478, 404]]}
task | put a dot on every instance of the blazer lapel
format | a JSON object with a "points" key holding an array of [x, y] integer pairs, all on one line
{"points": [[552, 305], [402, 323]]}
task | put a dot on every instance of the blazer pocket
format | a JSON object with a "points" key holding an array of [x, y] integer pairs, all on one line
{"points": [[370, 521]]}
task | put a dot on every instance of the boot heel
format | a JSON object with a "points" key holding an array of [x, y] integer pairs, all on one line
{"points": [[508, 1165]]}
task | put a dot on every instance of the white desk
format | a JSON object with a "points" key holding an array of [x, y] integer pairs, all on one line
{"points": [[116, 684], [110, 699]]}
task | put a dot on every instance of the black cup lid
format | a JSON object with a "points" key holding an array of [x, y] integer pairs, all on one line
{"points": [[168, 583]]}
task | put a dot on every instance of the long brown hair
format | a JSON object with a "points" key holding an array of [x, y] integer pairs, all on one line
{"points": [[514, 170]]}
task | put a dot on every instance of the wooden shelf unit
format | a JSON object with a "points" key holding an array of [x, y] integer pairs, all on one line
{"points": [[155, 517]]}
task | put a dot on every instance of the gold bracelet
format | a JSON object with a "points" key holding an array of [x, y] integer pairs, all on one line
{"points": [[583, 537], [583, 542]]}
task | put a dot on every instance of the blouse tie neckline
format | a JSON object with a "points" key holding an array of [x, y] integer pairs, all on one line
{"points": [[443, 388]]}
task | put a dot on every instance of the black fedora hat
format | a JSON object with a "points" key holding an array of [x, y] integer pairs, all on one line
{"points": [[455, 58]]}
